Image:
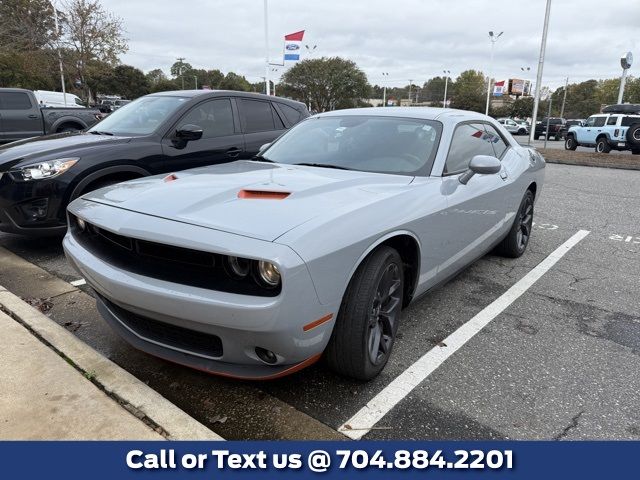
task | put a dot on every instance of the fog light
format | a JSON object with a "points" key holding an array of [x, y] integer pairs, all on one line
{"points": [[266, 356], [35, 210]]}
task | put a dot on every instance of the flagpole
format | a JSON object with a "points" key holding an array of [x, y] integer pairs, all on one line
{"points": [[267, 86]]}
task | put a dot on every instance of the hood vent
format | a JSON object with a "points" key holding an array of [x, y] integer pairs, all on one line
{"points": [[263, 194]]}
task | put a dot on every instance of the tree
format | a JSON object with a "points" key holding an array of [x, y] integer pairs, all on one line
{"points": [[522, 107], [433, 90], [124, 80], [327, 83], [233, 81], [94, 37], [470, 91], [154, 76], [26, 25], [180, 68]]}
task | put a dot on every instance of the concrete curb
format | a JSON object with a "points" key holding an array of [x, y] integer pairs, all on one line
{"points": [[134, 395]]}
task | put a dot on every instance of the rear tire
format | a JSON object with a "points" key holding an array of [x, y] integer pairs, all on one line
{"points": [[602, 146], [365, 330], [516, 241], [633, 136], [570, 143]]}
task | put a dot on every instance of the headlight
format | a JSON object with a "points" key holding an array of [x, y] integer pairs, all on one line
{"points": [[238, 267], [81, 223], [268, 274], [49, 169]]}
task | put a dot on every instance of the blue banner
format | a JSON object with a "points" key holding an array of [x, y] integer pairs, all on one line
{"points": [[364, 459]]}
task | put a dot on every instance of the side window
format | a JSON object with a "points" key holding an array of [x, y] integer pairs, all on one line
{"points": [[599, 121], [279, 124], [214, 116], [14, 101], [292, 115], [498, 143], [612, 120], [258, 116], [469, 139], [628, 121]]}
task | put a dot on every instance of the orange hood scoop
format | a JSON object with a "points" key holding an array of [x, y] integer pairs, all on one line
{"points": [[263, 194]]}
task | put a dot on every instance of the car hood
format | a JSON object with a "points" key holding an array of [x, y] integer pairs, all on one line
{"points": [[50, 147], [211, 197]]}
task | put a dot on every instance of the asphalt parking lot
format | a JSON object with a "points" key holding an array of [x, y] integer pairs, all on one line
{"points": [[562, 361]]}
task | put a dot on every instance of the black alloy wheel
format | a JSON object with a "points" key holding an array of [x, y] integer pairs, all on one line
{"points": [[383, 315], [365, 330], [517, 239]]}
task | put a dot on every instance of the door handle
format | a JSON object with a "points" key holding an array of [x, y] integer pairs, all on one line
{"points": [[233, 152], [33, 116]]}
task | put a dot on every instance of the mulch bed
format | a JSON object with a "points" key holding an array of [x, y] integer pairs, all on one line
{"points": [[591, 159]]}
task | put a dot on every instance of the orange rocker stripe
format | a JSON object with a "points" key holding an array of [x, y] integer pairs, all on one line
{"points": [[263, 195]]}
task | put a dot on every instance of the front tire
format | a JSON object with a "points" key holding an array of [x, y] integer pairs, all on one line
{"points": [[516, 241], [365, 330], [570, 143], [602, 146]]}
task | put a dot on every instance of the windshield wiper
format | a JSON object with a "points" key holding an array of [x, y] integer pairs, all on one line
{"points": [[323, 165], [97, 132]]}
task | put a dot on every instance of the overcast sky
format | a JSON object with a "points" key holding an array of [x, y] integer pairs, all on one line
{"points": [[410, 39]]}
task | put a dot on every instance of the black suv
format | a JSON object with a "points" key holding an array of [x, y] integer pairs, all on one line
{"points": [[557, 128], [158, 133]]}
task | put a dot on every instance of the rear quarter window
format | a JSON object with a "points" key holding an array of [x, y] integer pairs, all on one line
{"points": [[292, 115]]}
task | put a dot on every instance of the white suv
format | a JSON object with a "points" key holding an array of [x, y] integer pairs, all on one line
{"points": [[512, 126]]}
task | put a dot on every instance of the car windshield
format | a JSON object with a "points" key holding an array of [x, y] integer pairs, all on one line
{"points": [[403, 146], [140, 117]]}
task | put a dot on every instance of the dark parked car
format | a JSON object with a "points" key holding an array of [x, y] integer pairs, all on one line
{"points": [[557, 128], [159, 133], [22, 117]]}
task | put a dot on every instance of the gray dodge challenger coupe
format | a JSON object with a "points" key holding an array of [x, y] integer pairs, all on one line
{"points": [[255, 269]]}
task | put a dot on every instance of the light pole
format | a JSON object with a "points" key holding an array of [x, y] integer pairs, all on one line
{"points": [[64, 89], [446, 83], [494, 39], [385, 76], [410, 82], [310, 50], [543, 47], [625, 61], [267, 86], [564, 96]]}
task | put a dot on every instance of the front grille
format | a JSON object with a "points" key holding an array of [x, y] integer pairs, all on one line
{"points": [[166, 262], [172, 336]]}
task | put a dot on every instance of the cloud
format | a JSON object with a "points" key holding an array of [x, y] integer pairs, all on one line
{"points": [[410, 39]]}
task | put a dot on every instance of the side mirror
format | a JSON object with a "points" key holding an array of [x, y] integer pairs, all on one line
{"points": [[189, 132], [263, 148], [481, 164]]}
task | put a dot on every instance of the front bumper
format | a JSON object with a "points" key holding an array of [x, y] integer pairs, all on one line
{"points": [[31, 208], [241, 322]]}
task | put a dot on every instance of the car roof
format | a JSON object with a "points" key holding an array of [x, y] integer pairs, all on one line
{"points": [[424, 113], [231, 93]]}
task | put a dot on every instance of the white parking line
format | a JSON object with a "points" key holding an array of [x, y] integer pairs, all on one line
{"points": [[363, 421], [78, 283]]}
